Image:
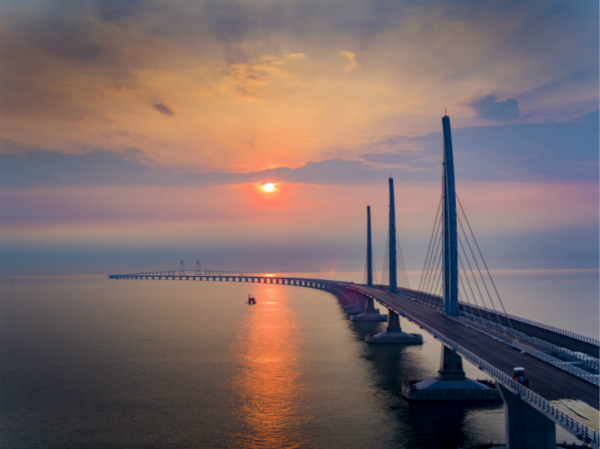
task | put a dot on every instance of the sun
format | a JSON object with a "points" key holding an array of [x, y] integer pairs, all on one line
{"points": [[269, 187]]}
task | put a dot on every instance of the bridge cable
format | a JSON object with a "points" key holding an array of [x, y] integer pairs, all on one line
{"points": [[429, 246], [479, 271], [486, 267], [482, 279], [439, 285], [485, 308], [470, 287], [386, 264], [431, 267], [430, 264], [436, 269], [401, 265], [466, 315]]}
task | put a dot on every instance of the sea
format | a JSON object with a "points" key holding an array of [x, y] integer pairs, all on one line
{"points": [[87, 362]]}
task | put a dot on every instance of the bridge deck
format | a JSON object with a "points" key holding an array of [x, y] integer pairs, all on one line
{"points": [[561, 340], [551, 337], [546, 380]]}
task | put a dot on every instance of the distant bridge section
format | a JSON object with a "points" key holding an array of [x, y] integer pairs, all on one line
{"points": [[222, 276]]}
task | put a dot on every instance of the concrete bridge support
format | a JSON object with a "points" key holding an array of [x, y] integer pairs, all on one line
{"points": [[394, 334], [353, 302], [370, 313], [450, 384], [526, 427]]}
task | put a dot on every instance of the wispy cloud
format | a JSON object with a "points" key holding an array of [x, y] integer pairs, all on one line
{"points": [[490, 108], [163, 109], [351, 57], [536, 152]]}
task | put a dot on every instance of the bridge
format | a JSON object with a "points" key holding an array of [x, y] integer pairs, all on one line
{"points": [[563, 365]]}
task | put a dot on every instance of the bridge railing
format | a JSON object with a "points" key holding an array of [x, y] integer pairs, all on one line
{"points": [[547, 327], [565, 366], [582, 431], [557, 330], [592, 362], [584, 359]]}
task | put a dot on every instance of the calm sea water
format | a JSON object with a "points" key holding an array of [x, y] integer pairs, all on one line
{"points": [[88, 362]]}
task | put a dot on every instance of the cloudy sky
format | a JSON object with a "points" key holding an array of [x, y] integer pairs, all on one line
{"points": [[136, 133]]}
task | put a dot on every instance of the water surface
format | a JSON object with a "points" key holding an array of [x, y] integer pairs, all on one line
{"points": [[88, 362]]}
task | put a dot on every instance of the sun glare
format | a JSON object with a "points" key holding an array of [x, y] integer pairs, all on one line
{"points": [[268, 187]]}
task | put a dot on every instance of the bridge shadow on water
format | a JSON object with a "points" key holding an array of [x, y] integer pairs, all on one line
{"points": [[443, 425]]}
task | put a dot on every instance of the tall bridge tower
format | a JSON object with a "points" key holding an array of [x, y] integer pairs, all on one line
{"points": [[451, 382], [369, 250], [392, 240], [450, 234], [370, 313]]}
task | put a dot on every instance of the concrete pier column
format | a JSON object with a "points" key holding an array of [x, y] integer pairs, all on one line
{"points": [[526, 427], [370, 313], [451, 366], [394, 333], [393, 322], [359, 307], [450, 384], [370, 306]]}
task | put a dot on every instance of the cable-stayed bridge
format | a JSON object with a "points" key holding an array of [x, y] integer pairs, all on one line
{"points": [[457, 302]]}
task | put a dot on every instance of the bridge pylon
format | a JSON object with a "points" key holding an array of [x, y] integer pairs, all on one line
{"points": [[369, 250], [392, 241], [370, 313], [451, 382], [450, 233]]}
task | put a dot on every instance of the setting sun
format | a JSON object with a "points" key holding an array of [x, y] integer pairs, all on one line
{"points": [[268, 187]]}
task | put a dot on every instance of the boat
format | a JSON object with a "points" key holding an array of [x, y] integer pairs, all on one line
{"points": [[251, 300]]}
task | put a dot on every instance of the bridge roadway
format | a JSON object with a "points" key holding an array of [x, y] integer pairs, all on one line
{"points": [[546, 380], [564, 341]]}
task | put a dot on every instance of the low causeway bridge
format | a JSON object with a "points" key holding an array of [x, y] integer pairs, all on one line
{"points": [[160, 275]]}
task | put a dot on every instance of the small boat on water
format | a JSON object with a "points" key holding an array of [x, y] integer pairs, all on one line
{"points": [[251, 300]]}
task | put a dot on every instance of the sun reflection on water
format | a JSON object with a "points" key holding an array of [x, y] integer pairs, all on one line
{"points": [[272, 392]]}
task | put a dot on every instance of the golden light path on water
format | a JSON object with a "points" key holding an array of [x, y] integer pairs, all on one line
{"points": [[270, 384]]}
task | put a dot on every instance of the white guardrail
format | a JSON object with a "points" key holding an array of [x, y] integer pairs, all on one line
{"points": [[592, 362], [592, 378], [573, 426], [583, 338], [557, 330], [565, 366]]}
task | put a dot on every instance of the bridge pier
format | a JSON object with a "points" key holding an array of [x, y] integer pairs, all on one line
{"points": [[394, 334], [358, 307], [370, 313], [450, 384], [526, 427]]}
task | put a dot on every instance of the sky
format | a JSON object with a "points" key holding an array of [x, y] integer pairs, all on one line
{"points": [[134, 134]]}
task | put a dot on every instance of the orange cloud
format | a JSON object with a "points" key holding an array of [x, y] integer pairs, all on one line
{"points": [[351, 57]]}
